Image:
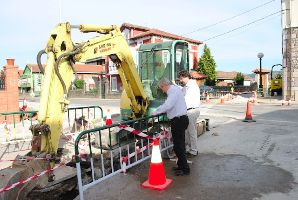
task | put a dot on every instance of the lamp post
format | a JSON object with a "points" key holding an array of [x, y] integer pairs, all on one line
{"points": [[260, 56]]}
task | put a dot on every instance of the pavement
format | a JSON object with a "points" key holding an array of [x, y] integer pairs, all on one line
{"points": [[237, 160]]}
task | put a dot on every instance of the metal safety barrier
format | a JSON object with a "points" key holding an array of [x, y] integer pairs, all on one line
{"points": [[15, 125], [83, 118], [103, 152]]}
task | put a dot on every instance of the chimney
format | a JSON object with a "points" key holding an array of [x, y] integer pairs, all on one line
{"points": [[10, 61]]}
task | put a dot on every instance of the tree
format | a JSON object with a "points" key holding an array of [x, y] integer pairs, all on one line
{"points": [[207, 66], [79, 84], [239, 79]]}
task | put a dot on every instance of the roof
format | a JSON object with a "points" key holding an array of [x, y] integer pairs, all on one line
{"points": [[157, 32], [230, 75], [82, 68], [197, 75], [256, 71], [79, 68], [20, 72], [132, 26], [34, 67], [222, 83]]}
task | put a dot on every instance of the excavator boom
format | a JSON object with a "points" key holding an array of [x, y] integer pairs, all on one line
{"points": [[62, 54]]}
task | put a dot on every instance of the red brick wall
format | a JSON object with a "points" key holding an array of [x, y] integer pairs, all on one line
{"points": [[194, 47], [9, 98], [158, 40], [195, 60]]}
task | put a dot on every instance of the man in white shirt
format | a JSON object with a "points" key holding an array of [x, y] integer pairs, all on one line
{"points": [[191, 92], [176, 110]]}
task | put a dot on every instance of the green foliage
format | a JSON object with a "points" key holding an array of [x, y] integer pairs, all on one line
{"points": [[207, 66], [93, 91], [79, 84], [277, 76], [239, 79]]}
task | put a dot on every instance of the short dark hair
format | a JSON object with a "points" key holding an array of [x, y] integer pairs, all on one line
{"points": [[184, 74]]}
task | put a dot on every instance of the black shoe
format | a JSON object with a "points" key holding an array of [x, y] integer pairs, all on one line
{"points": [[182, 172], [176, 168]]}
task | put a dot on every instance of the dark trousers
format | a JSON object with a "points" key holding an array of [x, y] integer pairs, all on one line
{"points": [[178, 127]]}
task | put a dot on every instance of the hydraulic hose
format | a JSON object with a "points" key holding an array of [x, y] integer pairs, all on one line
{"points": [[39, 60], [56, 67]]}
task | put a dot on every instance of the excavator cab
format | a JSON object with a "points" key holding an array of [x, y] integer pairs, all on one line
{"points": [[155, 61]]}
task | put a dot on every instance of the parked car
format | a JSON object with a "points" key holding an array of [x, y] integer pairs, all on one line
{"points": [[205, 88]]}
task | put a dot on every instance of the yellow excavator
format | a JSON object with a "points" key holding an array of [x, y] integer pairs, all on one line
{"points": [[62, 53], [155, 61]]}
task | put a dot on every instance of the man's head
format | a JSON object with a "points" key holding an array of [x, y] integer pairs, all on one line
{"points": [[164, 84], [184, 76]]}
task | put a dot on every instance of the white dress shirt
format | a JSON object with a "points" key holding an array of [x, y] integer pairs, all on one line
{"points": [[174, 105], [191, 93]]}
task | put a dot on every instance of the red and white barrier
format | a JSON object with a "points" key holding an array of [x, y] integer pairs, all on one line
{"points": [[160, 135], [124, 159], [134, 131], [9, 187]]}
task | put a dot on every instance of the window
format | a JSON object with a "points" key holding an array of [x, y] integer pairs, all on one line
{"points": [[154, 65], [114, 84], [39, 79], [181, 58]]}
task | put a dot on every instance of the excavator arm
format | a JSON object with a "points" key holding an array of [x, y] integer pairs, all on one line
{"points": [[62, 53], [114, 45]]}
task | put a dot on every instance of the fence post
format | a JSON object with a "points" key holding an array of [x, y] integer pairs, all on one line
{"points": [[10, 96]]}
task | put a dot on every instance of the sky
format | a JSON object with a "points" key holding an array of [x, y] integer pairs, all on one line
{"points": [[26, 26]]}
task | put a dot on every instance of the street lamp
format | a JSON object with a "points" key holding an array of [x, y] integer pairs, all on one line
{"points": [[260, 56]]}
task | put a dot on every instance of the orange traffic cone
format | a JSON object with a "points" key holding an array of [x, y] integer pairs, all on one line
{"points": [[248, 117], [157, 179], [207, 99], [222, 101], [109, 118]]}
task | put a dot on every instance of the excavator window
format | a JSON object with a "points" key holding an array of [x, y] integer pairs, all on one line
{"points": [[181, 58], [153, 66]]}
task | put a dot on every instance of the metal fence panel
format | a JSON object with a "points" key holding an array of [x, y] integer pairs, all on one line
{"points": [[109, 150]]}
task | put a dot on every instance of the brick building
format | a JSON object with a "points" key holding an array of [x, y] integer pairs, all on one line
{"points": [[137, 35]]}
